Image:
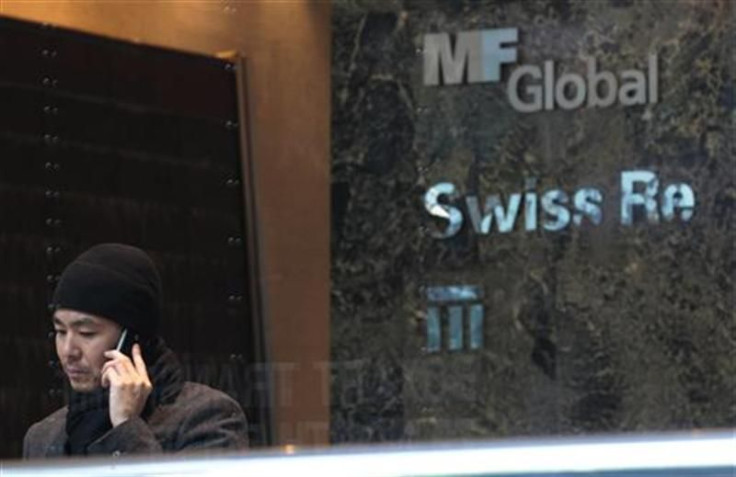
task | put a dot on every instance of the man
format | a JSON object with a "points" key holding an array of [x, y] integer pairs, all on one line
{"points": [[120, 404]]}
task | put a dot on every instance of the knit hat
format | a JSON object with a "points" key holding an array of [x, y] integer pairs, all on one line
{"points": [[114, 281]]}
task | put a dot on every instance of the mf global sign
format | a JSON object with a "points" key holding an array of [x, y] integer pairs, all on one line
{"points": [[478, 56]]}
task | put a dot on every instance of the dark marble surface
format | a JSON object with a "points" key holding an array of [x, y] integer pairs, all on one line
{"points": [[592, 329]]}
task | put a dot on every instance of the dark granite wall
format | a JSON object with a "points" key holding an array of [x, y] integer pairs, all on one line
{"points": [[594, 328]]}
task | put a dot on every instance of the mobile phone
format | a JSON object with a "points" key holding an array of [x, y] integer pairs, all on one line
{"points": [[125, 343]]}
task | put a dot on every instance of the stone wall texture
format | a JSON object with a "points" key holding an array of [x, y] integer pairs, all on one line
{"points": [[593, 328]]}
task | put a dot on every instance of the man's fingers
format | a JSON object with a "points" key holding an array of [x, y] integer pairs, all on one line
{"points": [[140, 365], [124, 370], [117, 357], [107, 366], [126, 367], [110, 375], [114, 364], [114, 354]]}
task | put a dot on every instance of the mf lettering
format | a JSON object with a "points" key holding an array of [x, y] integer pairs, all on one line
{"points": [[478, 56]]}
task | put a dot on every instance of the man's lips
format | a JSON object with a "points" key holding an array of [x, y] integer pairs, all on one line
{"points": [[75, 372]]}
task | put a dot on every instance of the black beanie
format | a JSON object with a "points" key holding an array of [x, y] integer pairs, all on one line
{"points": [[113, 281]]}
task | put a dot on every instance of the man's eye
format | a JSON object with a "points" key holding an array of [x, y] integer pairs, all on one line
{"points": [[60, 332], [87, 334]]}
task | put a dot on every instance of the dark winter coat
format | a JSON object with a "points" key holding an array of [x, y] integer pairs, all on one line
{"points": [[200, 418]]}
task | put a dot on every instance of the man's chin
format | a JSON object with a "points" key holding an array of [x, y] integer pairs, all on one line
{"points": [[83, 385]]}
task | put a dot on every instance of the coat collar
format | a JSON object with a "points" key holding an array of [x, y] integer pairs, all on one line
{"points": [[56, 434]]}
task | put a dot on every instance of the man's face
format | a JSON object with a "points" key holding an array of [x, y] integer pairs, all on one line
{"points": [[81, 340]]}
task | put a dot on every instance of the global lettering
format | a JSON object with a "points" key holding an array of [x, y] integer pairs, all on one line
{"points": [[642, 199], [478, 56]]}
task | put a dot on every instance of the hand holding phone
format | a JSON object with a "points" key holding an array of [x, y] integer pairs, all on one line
{"points": [[127, 377]]}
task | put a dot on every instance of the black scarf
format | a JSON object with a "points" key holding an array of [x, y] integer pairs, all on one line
{"points": [[88, 417]]}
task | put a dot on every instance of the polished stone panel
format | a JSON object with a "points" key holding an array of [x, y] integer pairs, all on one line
{"points": [[587, 323]]}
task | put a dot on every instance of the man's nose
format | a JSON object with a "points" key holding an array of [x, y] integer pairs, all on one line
{"points": [[68, 346]]}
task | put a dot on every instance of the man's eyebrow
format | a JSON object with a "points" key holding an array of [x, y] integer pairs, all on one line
{"points": [[83, 321]]}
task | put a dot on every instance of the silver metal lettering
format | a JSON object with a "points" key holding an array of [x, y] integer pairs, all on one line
{"points": [[456, 327], [560, 95], [594, 81], [476, 326], [653, 78], [549, 85], [588, 203], [634, 91], [493, 54], [434, 330], [457, 301], [438, 54], [505, 218], [530, 211], [447, 212], [551, 203], [678, 196], [481, 222], [630, 199], [453, 293], [533, 91]]}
